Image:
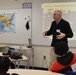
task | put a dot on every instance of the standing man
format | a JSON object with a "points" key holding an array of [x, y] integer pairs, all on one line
{"points": [[61, 31]]}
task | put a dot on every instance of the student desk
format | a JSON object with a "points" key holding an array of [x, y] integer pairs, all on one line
{"points": [[32, 72]]}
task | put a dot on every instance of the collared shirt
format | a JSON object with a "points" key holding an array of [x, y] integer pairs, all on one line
{"points": [[58, 21]]}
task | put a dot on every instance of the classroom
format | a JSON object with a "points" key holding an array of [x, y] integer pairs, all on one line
{"points": [[27, 20]]}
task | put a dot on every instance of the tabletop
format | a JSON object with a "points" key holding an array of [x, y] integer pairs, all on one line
{"points": [[32, 72]]}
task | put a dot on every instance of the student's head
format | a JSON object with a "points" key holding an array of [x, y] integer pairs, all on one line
{"points": [[57, 15], [61, 48], [4, 64]]}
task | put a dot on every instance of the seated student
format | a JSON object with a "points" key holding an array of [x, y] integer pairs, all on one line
{"points": [[4, 65], [64, 60]]}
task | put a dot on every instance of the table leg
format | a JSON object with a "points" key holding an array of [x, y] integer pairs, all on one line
{"points": [[33, 57]]}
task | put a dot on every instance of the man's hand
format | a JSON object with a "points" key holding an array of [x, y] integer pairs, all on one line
{"points": [[44, 34], [60, 36]]}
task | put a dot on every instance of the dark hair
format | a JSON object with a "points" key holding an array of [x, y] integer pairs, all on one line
{"points": [[4, 63], [61, 48]]}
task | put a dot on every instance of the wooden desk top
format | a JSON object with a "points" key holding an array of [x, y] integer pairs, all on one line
{"points": [[31, 72]]}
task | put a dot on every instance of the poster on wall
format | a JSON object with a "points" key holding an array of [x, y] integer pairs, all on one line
{"points": [[27, 5], [68, 13], [7, 22]]}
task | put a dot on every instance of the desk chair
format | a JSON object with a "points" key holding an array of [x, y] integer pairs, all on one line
{"points": [[17, 48], [70, 73], [24, 58]]}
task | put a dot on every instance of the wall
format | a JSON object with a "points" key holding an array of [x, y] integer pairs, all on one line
{"points": [[39, 53], [20, 34], [13, 4]]}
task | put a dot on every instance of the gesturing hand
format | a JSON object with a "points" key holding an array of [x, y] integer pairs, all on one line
{"points": [[60, 36]]}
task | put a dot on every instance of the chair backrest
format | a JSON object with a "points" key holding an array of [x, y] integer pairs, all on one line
{"points": [[70, 73]]}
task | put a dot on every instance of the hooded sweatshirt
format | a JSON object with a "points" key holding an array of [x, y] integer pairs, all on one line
{"points": [[64, 62]]}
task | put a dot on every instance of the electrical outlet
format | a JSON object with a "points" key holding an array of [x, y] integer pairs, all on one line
{"points": [[44, 57]]}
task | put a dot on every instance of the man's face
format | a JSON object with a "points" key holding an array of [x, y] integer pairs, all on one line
{"points": [[56, 16]]}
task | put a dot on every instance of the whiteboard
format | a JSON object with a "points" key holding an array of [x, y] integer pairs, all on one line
{"points": [[21, 34]]}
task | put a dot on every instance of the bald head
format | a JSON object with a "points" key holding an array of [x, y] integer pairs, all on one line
{"points": [[57, 15], [58, 12]]}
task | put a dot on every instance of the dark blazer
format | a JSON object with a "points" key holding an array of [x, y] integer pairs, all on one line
{"points": [[64, 27]]}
